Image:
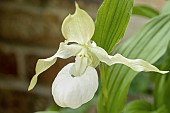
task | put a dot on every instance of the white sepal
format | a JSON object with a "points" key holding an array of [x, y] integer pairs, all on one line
{"points": [[64, 51], [69, 91], [135, 64], [78, 27]]}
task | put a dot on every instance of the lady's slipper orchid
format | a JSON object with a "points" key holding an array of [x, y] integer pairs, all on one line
{"points": [[77, 82]]}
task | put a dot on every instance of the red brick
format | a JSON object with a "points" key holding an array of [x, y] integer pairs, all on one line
{"points": [[35, 25], [8, 64], [22, 102], [30, 25]]}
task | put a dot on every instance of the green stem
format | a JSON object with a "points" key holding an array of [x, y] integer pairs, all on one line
{"points": [[103, 91]]}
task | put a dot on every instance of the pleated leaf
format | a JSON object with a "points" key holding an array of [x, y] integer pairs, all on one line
{"points": [[162, 91], [141, 106], [138, 106], [149, 44], [166, 8], [111, 22], [167, 93], [145, 11]]}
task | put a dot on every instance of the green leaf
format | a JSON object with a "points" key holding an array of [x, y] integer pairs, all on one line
{"points": [[166, 8], [47, 112], [138, 106], [161, 109], [141, 106], [167, 94], [149, 44], [145, 11], [162, 92], [159, 92], [140, 84], [111, 22], [83, 109]]}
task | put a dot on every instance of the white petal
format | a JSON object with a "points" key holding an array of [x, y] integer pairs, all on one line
{"points": [[80, 65], [71, 91], [41, 66], [93, 60], [102, 55], [78, 27], [64, 51], [136, 64]]}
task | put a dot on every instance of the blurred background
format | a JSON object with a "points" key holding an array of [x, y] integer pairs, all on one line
{"points": [[29, 30]]}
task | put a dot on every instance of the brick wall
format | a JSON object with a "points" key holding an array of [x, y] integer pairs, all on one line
{"points": [[29, 30]]}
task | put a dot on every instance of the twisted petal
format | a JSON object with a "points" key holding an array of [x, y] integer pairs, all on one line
{"points": [[64, 51], [136, 64], [71, 91], [78, 27]]}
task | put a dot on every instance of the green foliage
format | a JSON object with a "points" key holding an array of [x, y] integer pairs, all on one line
{"points": [[47, 112], [166, 8], [111, 22], [148, 44], [162, 92], [140, 84], [145, 11], [167, 94], [83, 109], [139, 106]]}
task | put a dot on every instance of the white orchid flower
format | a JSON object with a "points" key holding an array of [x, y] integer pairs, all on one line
{"points": [[77, 82]]}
